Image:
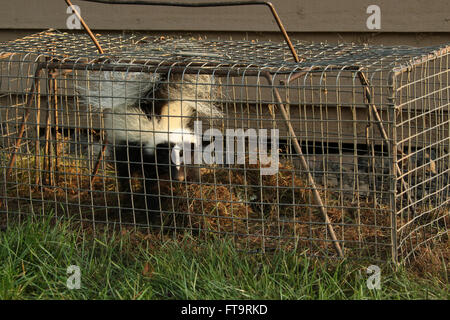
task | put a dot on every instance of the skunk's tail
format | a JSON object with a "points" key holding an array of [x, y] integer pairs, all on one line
{"points": [[113, 89], [120, 90]]}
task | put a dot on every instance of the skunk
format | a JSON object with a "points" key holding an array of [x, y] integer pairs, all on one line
{"points": [[148, 122]]}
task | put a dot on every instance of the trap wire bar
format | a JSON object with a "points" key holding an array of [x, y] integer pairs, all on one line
{"points": [[364, 141], [190, 5]]}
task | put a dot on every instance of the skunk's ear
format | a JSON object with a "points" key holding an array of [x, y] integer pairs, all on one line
{"points": [[154, 100], [163, 77], [159, 79]]}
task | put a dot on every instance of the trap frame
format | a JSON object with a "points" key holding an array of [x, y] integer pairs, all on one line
{"points": [[363, 140]]}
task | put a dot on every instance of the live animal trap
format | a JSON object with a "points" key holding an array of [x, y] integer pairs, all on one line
{"points": [[358, 164]]}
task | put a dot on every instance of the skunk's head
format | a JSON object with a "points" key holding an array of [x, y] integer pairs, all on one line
{"points": [[172, 154]]}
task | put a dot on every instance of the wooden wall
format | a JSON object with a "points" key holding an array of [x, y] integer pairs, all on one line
{"points": [[403, 22], [298, 16]]}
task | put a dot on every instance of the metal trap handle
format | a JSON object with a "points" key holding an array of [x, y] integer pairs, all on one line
{"points": [[189, 5]]}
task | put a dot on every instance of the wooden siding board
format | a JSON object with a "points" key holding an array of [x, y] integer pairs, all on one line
{"points": [[297, 16]]}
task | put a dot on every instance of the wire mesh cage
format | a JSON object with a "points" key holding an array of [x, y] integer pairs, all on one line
{"points": [[345, 153]]}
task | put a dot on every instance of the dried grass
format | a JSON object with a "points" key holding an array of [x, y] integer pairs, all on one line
{"points": [[273, 211]]}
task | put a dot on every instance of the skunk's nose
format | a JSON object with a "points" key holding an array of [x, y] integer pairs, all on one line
{"points": [[180, 175]]}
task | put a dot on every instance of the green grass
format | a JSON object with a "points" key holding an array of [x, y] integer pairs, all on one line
{"points": [[34, 256]]}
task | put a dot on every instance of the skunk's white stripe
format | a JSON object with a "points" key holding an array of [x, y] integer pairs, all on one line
{"points": [[133, 125]]}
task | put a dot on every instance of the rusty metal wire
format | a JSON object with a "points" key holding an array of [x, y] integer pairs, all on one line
{"points": [[192, 5], [363, 140]]}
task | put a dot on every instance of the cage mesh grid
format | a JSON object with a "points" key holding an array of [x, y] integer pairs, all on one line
{"points": [[371, 123]]}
